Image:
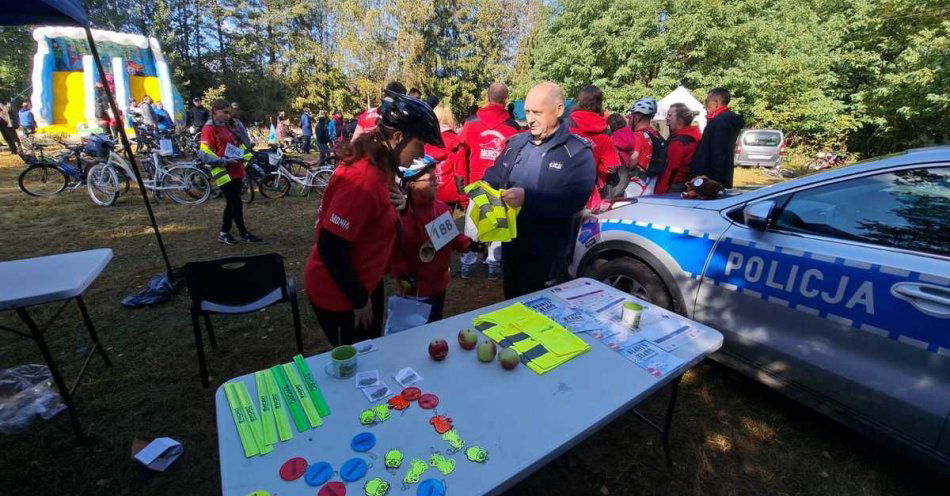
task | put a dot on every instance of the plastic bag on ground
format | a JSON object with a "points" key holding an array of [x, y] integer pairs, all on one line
{"points": [[160, 289], [27, 392]]}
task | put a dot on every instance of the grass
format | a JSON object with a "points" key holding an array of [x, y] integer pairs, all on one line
{"points": [[732, 436]]}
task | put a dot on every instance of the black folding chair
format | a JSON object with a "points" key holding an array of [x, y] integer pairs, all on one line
{"points": [[234, 286]]}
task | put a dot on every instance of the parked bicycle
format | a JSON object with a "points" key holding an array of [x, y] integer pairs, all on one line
{"points": [[46, 177], [183, 182], [827, 161], [295, 177]]}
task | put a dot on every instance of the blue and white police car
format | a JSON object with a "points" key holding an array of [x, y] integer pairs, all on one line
{"points": [[833, 288]]}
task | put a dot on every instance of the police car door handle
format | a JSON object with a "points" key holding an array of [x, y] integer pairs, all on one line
{"points": [[928, 298]]}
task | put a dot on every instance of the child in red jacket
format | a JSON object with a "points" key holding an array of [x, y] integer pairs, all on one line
{"points": [[422, 271]]}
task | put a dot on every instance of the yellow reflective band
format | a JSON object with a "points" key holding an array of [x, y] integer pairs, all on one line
{"points": [[203, 148], [220, 176], [248, 441]]}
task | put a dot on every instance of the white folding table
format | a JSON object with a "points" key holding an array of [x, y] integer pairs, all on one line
{"points": [[56, 278], [524, 420]]}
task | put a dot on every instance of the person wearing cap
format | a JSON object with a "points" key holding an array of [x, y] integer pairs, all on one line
{"points": [[548, 173], [366, 121], [422, 271], [640, 115], [306, 129], [355, 230]]}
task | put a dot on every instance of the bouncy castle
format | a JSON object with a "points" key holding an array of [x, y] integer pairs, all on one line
{"points": [[64, 77]]}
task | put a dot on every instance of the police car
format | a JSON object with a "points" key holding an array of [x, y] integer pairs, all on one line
{"points": [[833, 288]]}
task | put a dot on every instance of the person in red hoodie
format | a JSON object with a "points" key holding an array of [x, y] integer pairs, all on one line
{"points": [[622, 137], [449, 179], [680, 148], [422, 271], [481, 141], [587, 120]]}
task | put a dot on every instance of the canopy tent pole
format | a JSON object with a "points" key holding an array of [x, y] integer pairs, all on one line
{"points": [[129, 154]]}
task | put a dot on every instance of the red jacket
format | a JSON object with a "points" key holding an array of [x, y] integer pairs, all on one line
{"points": [[483, 139], [447, 170], [431, 278], [593, 126], [214, 139], [623, 141], [679, 155]]}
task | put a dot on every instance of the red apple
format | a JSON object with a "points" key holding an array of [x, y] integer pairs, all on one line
{"points": [[508, 358], [438, 349], [486, 351], [468, 339]]}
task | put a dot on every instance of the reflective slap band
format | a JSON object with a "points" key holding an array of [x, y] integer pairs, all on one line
{"points": [[268, 422], [302, 397], [244, 429], [244, 396], [290, 399], [284, 432], [316, 396]]}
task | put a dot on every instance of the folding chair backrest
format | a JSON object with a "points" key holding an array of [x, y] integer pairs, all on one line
{"points": [[235, 280]]}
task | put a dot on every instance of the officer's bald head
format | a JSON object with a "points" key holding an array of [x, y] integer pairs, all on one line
{"points": [[543, 108], [498, 93]]}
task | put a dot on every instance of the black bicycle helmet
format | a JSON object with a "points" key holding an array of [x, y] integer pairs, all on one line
{"points": [[411, 116]]}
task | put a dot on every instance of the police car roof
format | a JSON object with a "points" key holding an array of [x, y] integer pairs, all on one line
{"points": [[933, 154]]}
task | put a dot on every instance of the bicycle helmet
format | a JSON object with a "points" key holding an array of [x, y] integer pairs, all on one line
{"points": [[417, 168], [645, 106], [411, 116]]}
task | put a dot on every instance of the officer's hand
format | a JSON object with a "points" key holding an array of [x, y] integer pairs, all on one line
{"points": [[396, 197], [513, 197], [363, 317]]}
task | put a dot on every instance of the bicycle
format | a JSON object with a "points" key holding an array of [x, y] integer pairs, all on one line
{"points": [[827, 161], [45, 177], [184, 183], [294, 176]]}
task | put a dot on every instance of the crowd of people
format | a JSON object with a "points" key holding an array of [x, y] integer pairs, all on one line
{"points": [[408, 162]]}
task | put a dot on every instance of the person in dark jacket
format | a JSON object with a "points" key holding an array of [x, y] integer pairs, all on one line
{"points": [[306, 129], [715, 156], [549, 173], [323, 135], [198, 115], [8, 124]]}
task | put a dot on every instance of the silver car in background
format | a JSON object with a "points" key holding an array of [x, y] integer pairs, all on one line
{"points": [[760, 147], [832, 288]]}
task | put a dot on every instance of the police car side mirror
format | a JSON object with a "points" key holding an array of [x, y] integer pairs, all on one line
{"points": [[758, 215]]}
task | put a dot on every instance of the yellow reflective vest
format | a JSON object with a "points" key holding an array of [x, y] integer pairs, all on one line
{"points": [[494, 220]]}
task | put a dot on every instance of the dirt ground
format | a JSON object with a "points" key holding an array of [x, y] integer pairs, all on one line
{"points": [[732, 436]]}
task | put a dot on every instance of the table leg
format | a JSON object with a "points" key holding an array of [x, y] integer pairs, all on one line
{"points": [[92, 330], [668, 421], [60, 383]]}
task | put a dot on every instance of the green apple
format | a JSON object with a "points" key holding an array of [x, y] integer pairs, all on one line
{"points": [[486, 350]]}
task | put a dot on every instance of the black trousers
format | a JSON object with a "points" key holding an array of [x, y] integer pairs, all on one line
{"points": [[324, 149], [233, 208], [530, 264], [9, 135], [306, 144], [340, 327], [438, 307]]}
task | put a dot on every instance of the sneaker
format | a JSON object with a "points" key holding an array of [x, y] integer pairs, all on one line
{"points": [[494, 273], [250, 238], [227, 239]]}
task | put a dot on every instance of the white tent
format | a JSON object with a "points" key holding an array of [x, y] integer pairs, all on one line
{"points": [[681, 95]]}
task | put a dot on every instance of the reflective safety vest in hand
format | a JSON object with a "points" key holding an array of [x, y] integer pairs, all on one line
{"points": [[494, 220]]}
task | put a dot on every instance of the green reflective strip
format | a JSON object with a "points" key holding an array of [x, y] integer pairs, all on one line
{"points": [[316, 396], [244, 396], [284, 432], [302, 397], [290, 399], [240, 420], [268, 421]]}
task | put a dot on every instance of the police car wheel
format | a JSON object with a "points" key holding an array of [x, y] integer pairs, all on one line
{"points": [[636, 278]]}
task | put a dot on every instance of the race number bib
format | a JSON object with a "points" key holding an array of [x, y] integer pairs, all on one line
{"points": [[233, 152], [442, 230], [165, 147]]}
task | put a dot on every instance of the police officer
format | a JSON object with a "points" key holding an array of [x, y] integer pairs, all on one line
{"points": [[356, 226], [549, 173], [223, 150]]}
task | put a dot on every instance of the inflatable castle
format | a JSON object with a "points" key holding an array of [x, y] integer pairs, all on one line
{"points": [[65, 77]]}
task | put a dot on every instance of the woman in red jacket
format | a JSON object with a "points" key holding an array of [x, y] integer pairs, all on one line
{"points": [[679, 149], [587, 119], [448, 177], [356, 225], [423, 271]]}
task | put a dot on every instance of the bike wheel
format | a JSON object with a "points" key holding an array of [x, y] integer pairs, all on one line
{"points": [[274, 186], [320, 180], [102, 182], [300, 171], [186, 185], [42, 180], [247, 190]]}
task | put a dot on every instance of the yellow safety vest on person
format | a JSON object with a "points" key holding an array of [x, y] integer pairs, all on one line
{"points": [[493, 220], [214, 142]]}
